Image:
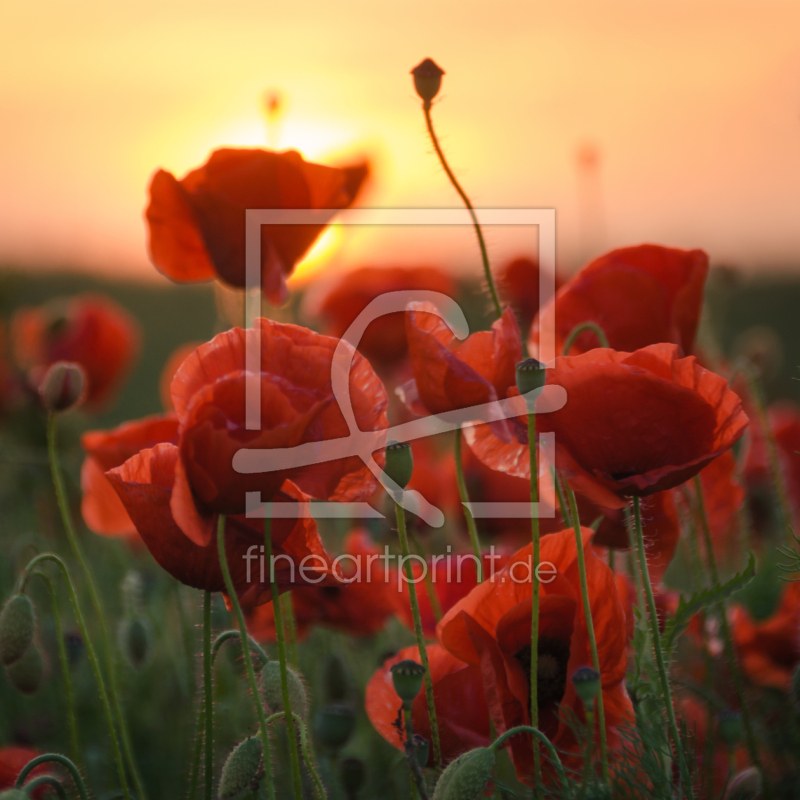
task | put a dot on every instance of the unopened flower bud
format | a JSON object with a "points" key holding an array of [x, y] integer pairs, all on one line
{"points": [[531, 375], [336, 679], [399, 463], [241, 768], [407, 679], [62, 386], [587, 683], [17, 624], [334, 724], [27, 672], [272, 689], [746, 785], [134, 640], [729, 725], [467, 776], [351, 774], [13, 794], [427, 80]]}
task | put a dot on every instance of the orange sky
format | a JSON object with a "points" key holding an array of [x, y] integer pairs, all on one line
{"points": [[695, 107]]}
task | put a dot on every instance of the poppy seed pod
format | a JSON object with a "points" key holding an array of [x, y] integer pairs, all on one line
{"points": [[427, 80], [746, 785], [17, 624], [240, 768], [26, 673], [334, 724], [729, 725], [272, 689], [63, 386], [467, 776], [587, 683], [531, 375], [407, 680], [399, 463]]}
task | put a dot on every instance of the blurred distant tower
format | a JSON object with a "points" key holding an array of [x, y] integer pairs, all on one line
{"points": [[591, 207], [273, 115]]}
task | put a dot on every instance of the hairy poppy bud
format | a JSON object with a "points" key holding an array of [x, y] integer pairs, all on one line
{"points": [[62, 387], [334, 725], [336, 679], [729, 725], [587, 683], [17, 624], [531, 375], [399, 463], [13, 794], [407, 680], [26, 673], [746, 785], [467, 776], [351, 774], [272, 689], [134, 640], [427, 80], [241, 768]]}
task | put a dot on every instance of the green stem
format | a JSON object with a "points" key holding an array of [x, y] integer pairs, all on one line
{"points": [[63, 507], [291, 626], [276, 607], [417, 779], [578, 330], [587, 613], [548, 745], [727, 638], [308, 751], [248, 661], [587, 764], [208, 701], [46, 780], [423, 653], [90, 651], [656, 636], [56, 758], [427, 576], [464, 496], [63, 658], [487, 271], [534, 676]]}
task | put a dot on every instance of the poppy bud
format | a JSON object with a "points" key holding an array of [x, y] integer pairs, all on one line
{"points": [[62, 386], [13, 794], [351, 774], [241, 768], [26, 673], [272, 689], [134, 639], [17, 624], [334, 724], [407, 679], [427, 80], [587, 683], [746, 785], [336, 679], [399, 463], [467, 776], [531, 375], [729, 725]]}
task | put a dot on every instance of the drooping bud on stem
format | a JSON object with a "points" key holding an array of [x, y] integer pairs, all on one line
{"points": [[407, 680], [17, 625], [240, 770], [63, 386], [27, 672], [427, 80], [587, 684], [272, 689], [399, 463], [467, 776]]}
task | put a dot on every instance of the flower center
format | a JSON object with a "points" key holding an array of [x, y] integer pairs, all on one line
{"points": [[551, 670]]}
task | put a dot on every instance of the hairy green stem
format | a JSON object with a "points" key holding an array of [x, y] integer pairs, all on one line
{"points": [[248, 661], [208, 701], [578, 330], [291, 626], [308, 751], [427, 576], [548, 745], [423, 653], [417, 778], [464, 496], [50, 782], [54, 758]]}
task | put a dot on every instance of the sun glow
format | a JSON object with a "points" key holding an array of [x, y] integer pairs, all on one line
{"points": [[320, 254]]}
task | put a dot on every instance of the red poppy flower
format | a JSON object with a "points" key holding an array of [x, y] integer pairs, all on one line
{"points": [[769, 649], [384, 340], [634, 423], [297, 406], [451, 374], [177, 357], [145, 484], [518, 284], [434, 475], [103, 511], [89, 330], [638, 295], [12, 761], [461, 710], [491, 629], [197, 224], [358, 600]]}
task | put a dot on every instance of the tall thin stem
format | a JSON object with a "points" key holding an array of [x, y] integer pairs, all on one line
{"points": [[727, 638], [534, 676], [55, 758], [276, 607], [487, 270], [291, 626], [582, 328], [464, 496], [423, 653], [587, 613], [248, 661], [208, 700], [656, 636], [63, 507]]}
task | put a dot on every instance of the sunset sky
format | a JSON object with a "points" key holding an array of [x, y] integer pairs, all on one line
{"points": [[694, 108]]}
